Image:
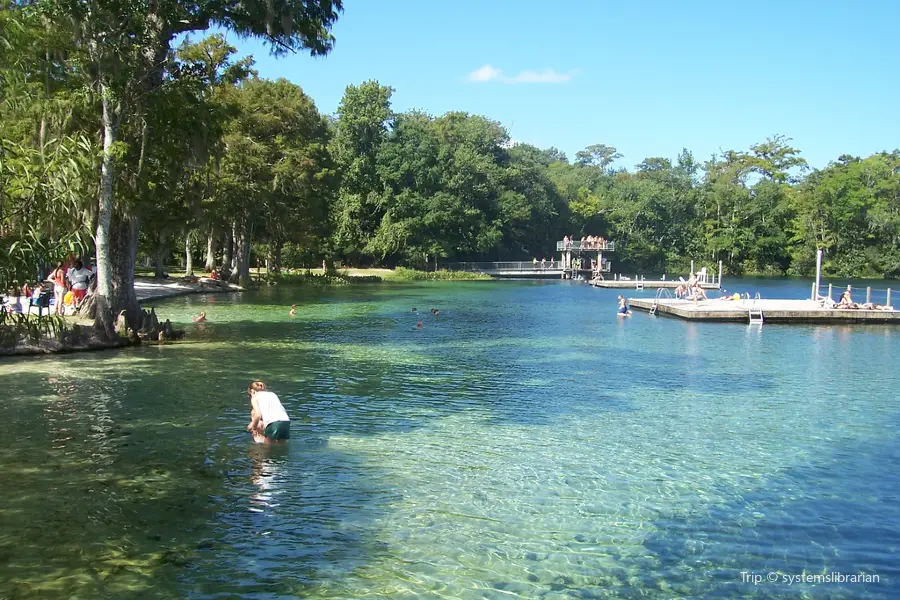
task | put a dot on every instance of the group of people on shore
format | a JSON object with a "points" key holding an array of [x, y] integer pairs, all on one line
{"points": [[590, 242], [69, 282]]}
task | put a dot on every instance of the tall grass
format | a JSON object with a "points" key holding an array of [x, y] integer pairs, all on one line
{"points": [[404, 274]]}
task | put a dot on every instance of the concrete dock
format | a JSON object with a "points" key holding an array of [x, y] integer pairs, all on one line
{"points": [[762, 310]]}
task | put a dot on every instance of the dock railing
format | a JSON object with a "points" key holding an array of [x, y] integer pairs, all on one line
{"points": [[605, 245], [522, 265], [859, 294]]}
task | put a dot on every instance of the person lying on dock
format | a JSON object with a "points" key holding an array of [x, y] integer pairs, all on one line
{"points": [[874, 306], [201, 318]]}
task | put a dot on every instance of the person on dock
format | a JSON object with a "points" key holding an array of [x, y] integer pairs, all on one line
{"points": [[269, 421], [846, 300], [201, 318], [293, 310]]}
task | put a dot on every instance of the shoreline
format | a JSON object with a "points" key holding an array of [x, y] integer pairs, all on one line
{"points": [[146, 289]]}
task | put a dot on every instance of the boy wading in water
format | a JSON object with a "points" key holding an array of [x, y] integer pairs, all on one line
{"points": [[268, 420]]}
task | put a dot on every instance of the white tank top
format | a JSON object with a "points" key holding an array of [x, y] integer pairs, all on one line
{"points": [[270, 408]]}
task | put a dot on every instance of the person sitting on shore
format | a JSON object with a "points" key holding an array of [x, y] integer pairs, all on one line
{"points": [[214, 275], [293, 310], [268, 420], [201, 318]]}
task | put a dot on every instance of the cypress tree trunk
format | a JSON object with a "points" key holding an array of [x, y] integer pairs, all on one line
{"points": [[227, 251], [276, 267], [104, 304], [210, 250], [188, 255], [162, 251]]}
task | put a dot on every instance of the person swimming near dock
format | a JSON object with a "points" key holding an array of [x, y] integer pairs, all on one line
{"points": [[268, 420], [623, 306], [201, 318]]}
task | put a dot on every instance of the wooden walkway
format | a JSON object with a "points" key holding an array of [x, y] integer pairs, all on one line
{"points": [[773, 311], [636, 284]]}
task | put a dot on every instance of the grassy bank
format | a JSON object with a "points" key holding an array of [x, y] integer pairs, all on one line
{"points": [[355, 276]]}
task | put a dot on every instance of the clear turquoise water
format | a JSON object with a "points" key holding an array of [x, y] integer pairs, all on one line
{"points": [[527, 442]]}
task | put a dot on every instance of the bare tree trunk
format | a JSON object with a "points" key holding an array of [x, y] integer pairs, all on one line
{"points": [[210, 250], [241, 272], [236, 249], [103, 316], [276, 267], [227, 251], [188, 255], [162, 252]]}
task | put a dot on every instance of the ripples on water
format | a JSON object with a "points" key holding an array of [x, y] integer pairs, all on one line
{"points": [[525, 443]]}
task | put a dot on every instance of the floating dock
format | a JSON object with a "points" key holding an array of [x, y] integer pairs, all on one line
{"points": [[762, 310], [640, 284]]}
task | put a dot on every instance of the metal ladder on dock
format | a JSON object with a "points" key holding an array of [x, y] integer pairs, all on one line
{"points": [[659, 293], [754, 313], [639, 285]]}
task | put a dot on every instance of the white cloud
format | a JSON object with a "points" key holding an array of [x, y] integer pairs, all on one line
{"points": [[485, 73], [491, 73]]}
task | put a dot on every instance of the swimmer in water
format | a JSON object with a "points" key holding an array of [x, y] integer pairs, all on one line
{"points": [[623, 306], [293, 310], [414, 309], [435, 311], [268, 420], [419, 325], [201, 318]]}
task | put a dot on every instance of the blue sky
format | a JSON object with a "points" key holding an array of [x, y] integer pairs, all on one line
{"points": [[646, 77]]}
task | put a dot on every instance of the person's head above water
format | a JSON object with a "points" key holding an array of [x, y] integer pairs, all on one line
{"points": [[414, 309], [434, 311]]}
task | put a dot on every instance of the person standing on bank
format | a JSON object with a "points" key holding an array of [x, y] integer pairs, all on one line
{"points": [[268, 420]]}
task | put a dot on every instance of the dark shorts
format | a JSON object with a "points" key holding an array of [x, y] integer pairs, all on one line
{"points": [[278, 430]]}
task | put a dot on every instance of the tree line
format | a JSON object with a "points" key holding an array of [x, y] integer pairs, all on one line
{"points": [[116, 141]]}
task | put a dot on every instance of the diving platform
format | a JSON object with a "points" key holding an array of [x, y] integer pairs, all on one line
{"points": [[760, 310]]}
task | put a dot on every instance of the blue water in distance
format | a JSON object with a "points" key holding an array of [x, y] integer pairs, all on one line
{"points": [[526, 442]]}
